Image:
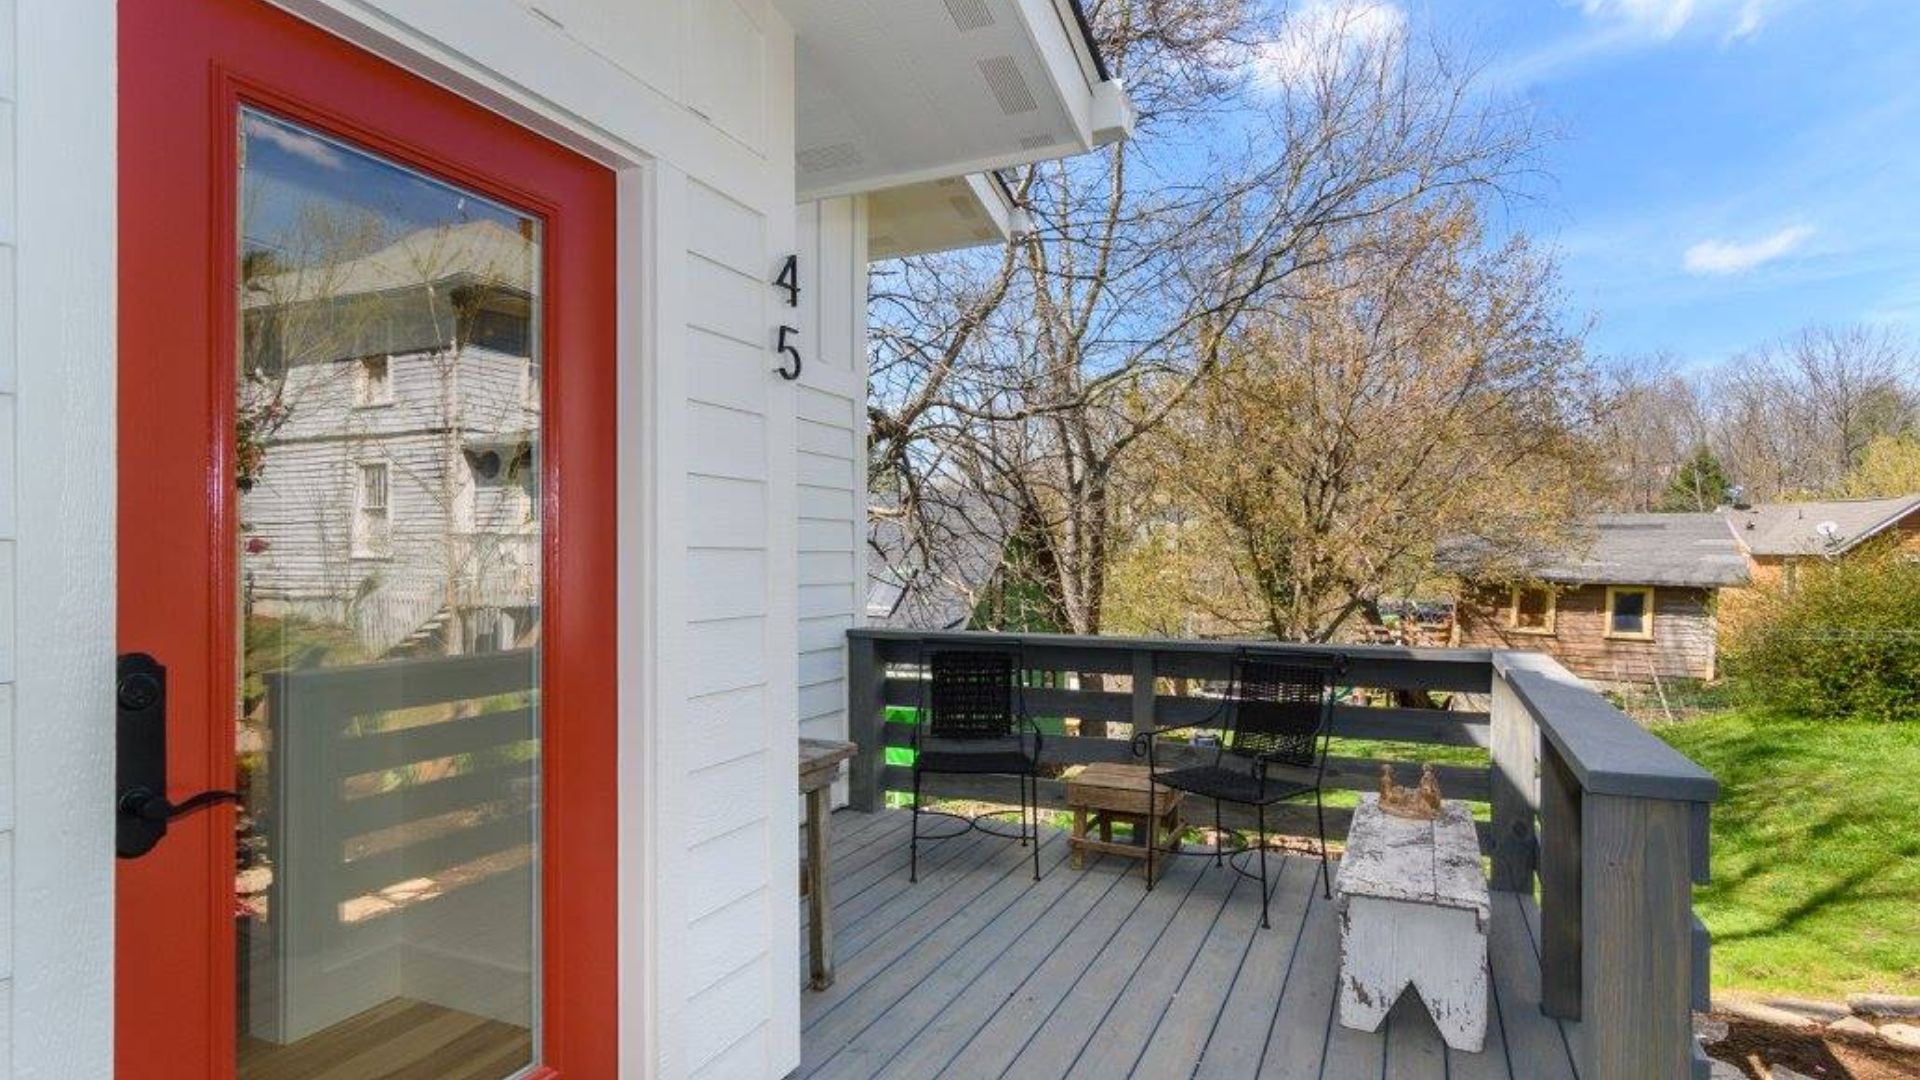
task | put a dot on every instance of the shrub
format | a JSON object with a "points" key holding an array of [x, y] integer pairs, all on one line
{"points": [[1833, 639]]}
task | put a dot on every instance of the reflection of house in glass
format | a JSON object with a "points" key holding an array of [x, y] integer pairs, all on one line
{"points": [[388, 428], [388, 422]]}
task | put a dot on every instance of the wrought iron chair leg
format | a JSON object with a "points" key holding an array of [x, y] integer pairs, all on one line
{"points": [[1025, 780], [1320, 814], [1260, 837], [913, 846], [1034, 783], [1216, 834]]}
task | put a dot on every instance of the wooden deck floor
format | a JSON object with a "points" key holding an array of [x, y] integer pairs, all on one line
{"points": [[978, 971]]}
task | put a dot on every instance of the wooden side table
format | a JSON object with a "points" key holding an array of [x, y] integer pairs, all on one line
{"points": [[1103, 795], [819, 765]]}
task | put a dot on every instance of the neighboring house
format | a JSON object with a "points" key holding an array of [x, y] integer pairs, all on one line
{"points": [[1776, 536], [933, 579], [1630, 600], [395, 490], [498, 545]]}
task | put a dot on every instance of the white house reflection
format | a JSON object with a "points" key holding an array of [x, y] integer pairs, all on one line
{"points": [[387, 452]]}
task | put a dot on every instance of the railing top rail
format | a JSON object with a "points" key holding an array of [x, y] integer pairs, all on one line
{"points": [[1208, 647], [1609, 753]]}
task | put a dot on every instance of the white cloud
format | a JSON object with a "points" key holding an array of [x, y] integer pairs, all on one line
{"points": [[1320, 37], [1752, 16], [1721, 257], [298, 143], [1663, 18]]}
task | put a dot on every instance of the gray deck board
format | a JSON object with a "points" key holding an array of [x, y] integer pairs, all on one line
{"points": [[978, 971]]}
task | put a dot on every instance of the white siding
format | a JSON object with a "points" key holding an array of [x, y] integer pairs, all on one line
{"points": [[830, 457], [9, 531], [56, 537]]}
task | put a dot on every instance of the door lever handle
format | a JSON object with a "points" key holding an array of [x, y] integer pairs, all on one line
{"points": [[148, 806]]}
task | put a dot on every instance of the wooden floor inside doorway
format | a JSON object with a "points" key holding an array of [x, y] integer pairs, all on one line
{"points": [[398, 1040]]}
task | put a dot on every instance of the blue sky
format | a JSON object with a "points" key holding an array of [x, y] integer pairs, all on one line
{"points": [[1723, 171]]}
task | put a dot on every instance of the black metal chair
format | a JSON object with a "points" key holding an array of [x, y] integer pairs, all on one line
{"points": [[973, 722], [1274, 723]]}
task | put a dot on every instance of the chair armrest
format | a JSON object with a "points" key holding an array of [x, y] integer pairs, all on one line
{"points": [[1142, 741]]}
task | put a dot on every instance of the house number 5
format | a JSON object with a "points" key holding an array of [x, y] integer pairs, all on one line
{"points": [[789, 280], [789, 369]]}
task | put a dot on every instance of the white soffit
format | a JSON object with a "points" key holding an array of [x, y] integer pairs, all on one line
{"points": [[940, 215], [896, 92]]}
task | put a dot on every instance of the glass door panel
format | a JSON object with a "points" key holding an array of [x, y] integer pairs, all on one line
{"points": [[387, 439]]}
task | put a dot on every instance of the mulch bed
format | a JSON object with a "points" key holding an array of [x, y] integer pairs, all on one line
{"points": [[1754, 1048]]}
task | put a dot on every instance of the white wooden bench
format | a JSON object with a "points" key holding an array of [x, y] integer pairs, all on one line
{"points": [[1413, 909]]}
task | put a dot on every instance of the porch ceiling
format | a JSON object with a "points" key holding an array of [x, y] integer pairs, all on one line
{"points": [[940, 215], [896, 92]]}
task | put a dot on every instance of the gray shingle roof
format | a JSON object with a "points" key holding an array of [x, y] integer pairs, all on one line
{"points": [[1796, 528], [905, 592], [1693, 550]]}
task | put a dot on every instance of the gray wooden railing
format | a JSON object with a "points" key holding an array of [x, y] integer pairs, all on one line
{"points": [[1609, 820]]}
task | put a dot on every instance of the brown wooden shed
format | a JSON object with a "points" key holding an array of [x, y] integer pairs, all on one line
{"points": [[1631, 599]]}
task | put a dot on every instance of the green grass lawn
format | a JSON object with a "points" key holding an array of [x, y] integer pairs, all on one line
{"points": [[1816, 853]]}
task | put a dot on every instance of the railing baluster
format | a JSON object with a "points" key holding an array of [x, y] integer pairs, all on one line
{"points": [[1143, 692], [1560, 863]]}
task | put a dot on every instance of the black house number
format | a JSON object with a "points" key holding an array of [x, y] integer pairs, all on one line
{"points": [[789, 280]]}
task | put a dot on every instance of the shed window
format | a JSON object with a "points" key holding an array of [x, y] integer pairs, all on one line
{"points": [[1630, 612], [1530, 609]]}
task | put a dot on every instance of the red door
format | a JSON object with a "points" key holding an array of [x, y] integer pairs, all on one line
{"points": [[367, 525]]}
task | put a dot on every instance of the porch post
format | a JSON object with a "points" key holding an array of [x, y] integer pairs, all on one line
{"points": [[1515, 746], [866, 722], [1636, 931]]}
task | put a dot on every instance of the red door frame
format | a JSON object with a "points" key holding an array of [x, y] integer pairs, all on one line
{"points": [[186, 66]]}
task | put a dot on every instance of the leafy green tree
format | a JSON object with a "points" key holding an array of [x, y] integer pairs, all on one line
{"points": [[1701, 483], [1889, 468]]}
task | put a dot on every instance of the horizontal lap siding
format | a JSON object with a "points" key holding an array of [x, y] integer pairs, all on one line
{"points": [[1683, 645], [724, 815], [830, 455], [8, 301]]}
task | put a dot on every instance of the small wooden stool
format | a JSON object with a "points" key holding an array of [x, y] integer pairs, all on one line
{"points": [[1413, 910], [1104, 794]]}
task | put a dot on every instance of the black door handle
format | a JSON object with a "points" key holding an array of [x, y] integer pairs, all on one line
{"points": [[147, 806], [141, 807]]}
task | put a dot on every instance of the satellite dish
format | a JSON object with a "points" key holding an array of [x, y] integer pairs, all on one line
{"points": [[1828, 530]]}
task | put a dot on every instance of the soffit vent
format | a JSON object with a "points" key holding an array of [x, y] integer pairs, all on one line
{"points": [[829, 158], [1035, 142], [965, 207], [1009, 87], [970, 14]]}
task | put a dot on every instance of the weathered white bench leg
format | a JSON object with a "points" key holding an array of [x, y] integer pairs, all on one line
{"points": [[1387, 945]]}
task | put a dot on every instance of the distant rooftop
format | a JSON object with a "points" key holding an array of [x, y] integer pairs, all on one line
{"points": [[934, 586], [1812, 528], [1693, 550]]}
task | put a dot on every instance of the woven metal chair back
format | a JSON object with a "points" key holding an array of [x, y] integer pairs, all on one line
{"points": [[1278, 712], [972, 695]]}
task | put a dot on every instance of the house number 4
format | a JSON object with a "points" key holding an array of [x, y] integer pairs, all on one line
{"points": [[788, 280]]}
